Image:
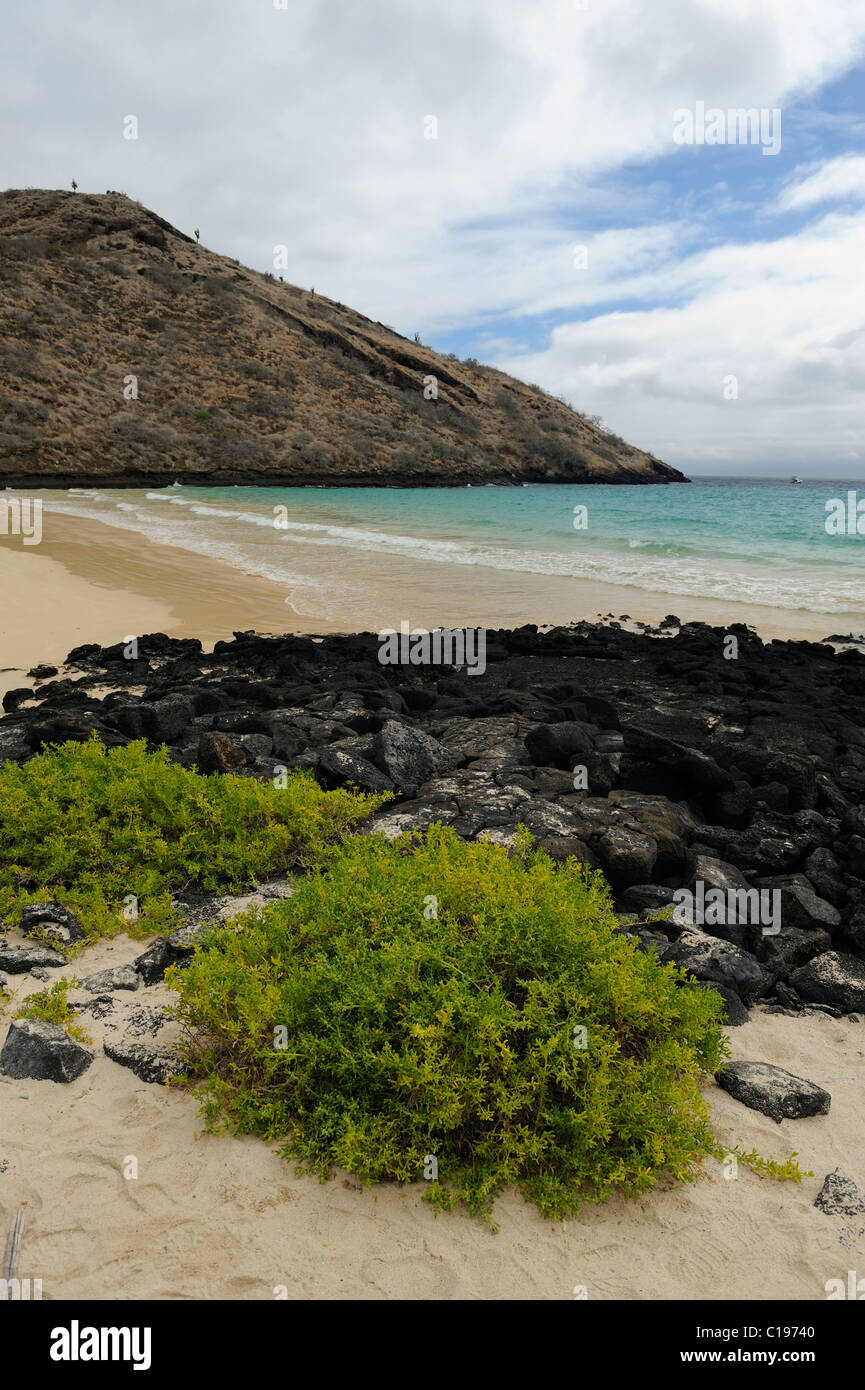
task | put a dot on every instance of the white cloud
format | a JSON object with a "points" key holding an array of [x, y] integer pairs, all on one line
{"points": [[778, 316], [304, 127], [836, 180]]}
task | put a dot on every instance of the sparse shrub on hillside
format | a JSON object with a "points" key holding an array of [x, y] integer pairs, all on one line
{"points": [[169, 280], [19, 323], [232, 453], [556, 449], [214, 285], [505, 401], [17, 360], [261, 371], [145, 433], [30, 412], [90, 826], [24, 440], [426, 998], [271, 405], [23, 248]]}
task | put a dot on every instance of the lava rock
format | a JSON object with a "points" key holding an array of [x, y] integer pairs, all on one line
{"points": [[666, 766], [559, 745], [735, 1013], [642, 896], [42, 1051], [13, 698], [117, 977], [19, 960], [72, 728], [407, 756], [53, 920], [146, 1046], [150, 1064], [832, 978], [780, 955], [718, 962], [839, 1196], [773, 1091], [337, 767], [218, 753], [800, 905], [152, 964], [14, 742], [626, 857]]}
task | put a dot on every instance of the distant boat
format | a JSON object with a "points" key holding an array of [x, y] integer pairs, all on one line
{"points": [[797, 480]]}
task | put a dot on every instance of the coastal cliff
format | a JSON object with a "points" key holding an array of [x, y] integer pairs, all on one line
{"points": [[130, 354]]}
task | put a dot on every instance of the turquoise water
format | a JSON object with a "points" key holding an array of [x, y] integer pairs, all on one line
{"points": [[758, 541]]}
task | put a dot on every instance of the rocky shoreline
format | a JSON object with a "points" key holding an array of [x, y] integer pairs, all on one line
{"points": [[658, 756]]}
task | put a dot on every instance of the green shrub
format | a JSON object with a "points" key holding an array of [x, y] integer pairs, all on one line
{"points": [[90, 827], [52, 1006], [429, 992]]}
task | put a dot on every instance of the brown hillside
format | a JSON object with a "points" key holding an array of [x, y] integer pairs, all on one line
{"points": [[242, 378]]}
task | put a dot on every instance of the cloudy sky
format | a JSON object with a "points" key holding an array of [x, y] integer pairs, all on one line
{"points": [[504, 177]]}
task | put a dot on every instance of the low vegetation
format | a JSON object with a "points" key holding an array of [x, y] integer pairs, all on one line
{"points": [[52, 1006], [418, 1009], [431, 1000], [93, 827]]}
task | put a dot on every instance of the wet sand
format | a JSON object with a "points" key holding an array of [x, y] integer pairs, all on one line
{"points": [[90, 582]]}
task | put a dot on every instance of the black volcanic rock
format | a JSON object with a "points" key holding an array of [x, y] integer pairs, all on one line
{"points": [[832, 978], [692, 775], [718, 962], [839, 1196], [337, 767], [40, 1051], [52, 920], [407, 756], [21, 960], [773, 1091]]}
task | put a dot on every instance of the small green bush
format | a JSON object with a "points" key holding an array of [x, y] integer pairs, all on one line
{"points": [[428, 994], [52, 1006], [90, 827]]}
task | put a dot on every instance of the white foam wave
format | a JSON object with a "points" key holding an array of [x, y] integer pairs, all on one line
{"points": [[819, 590]]}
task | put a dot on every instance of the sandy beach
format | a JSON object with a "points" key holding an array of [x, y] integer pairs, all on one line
{"points": [[214, 1217], [90, 582]]}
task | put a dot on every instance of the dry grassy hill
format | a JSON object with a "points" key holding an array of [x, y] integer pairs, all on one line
{"points": [[242, 378]]}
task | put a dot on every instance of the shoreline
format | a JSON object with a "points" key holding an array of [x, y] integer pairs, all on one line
{"points": [[90, 581], [215, 478]]}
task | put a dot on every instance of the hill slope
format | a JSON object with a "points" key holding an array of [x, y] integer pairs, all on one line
{"points": [[242, 378]]}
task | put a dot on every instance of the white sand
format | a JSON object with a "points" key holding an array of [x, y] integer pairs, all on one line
{"points": [[88, 582], [215, 1217]]}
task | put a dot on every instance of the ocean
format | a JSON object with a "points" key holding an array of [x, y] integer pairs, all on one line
{"points": [[751, 541]]}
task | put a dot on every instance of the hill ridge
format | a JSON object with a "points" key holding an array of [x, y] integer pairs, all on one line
{"points": [[132, 355]]}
